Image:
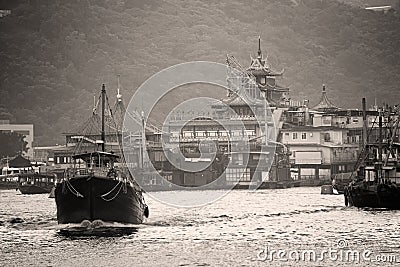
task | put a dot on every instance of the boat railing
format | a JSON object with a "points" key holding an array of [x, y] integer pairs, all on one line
{"points": [[313, 177], [112, 173], [395, 180], [72, 172]]}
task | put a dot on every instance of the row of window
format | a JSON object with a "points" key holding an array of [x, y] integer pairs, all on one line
{"points": [[62, 160], [197, 134], [235, 175], [21, 132], [295, 136], [303, 136]]}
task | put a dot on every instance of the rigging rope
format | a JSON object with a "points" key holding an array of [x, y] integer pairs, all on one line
{"points": [[72, 189], [106, 194]]}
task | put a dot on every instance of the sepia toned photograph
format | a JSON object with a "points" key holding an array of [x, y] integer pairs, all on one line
{"points": [[199, 133]]}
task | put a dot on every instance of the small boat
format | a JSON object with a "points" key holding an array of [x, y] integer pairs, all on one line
{"points": [[376, 183], [9, 178], [36, 183], [9, 181], [99, 186]]}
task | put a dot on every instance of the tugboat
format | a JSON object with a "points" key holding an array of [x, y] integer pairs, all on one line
{"points": [[98, 187], [376, 181]]}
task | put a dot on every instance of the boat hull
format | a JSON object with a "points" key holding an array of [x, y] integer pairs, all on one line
{"points": [[373, 196], [35, 183], [97, 198], [34, 189]]}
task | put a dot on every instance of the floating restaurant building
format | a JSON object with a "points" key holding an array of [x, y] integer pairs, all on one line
{"points": [[264, 160], [291, 141]]}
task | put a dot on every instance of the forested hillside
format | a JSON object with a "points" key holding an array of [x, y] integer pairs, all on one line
{"points": [[56, 54]]}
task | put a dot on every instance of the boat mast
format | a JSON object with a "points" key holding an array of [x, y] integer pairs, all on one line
{"points": [[380, 145], [143, 139], [103, 101], [365, 123]]}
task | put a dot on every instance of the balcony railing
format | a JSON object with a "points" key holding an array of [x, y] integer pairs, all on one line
{"points": [[344, 158]]}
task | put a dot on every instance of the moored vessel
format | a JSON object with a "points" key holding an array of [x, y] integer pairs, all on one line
{"points": [[36, 183], [375, 184], [98, 186]]}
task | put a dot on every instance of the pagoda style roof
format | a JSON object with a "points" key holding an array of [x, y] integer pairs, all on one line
{"points": [[19, 162], [325, 104], [236, 100], [260, 66], [275, 87]]}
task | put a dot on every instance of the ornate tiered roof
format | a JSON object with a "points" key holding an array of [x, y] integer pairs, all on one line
{"points": [[325, 104], [236, 100], [260, 66]]}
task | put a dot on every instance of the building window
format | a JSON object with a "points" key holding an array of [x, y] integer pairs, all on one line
{"points": [[327, 137], [304, 136], [238, 159], [26, 133], [294, 136]]}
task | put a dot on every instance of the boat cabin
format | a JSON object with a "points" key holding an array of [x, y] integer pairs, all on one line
{"points": [[97, 163], [96, 159]]}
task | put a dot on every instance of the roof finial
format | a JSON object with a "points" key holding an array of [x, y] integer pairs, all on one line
{"points": [[259, 46], [119, 96], [323, 88]]}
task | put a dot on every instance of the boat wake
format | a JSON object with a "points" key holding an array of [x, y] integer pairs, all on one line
{"points": [[97, 228]]}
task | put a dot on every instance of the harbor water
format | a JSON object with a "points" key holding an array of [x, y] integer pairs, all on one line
{"points": [[245, 228]]}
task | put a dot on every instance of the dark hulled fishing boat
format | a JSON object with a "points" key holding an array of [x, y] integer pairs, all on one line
{"points": [[36, 183], [99, 186], [376, 182]]}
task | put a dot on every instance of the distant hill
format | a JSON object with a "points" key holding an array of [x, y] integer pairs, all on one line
{"points": [[55, 54]]}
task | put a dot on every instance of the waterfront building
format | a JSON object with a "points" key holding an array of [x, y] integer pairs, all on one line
{"points": [[325, 140], [204, 132], [306, 143], [317, 152]]}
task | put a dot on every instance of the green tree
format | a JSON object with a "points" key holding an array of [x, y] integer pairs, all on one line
{"points": [[12, 144]]}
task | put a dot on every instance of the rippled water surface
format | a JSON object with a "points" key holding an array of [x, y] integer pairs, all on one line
{"points": [[233, 231]]}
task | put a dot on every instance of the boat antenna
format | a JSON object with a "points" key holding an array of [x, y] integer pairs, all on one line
{"points": [[103, 99]]}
